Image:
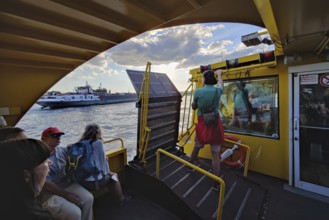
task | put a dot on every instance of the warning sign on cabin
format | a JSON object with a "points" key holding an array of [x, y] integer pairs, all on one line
{"points": [[324, 80], [309, 79]]}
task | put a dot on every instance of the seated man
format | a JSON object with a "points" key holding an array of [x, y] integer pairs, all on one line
{"points": [[63, 199]]}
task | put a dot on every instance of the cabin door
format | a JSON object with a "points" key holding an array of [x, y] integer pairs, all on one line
{"points": [[311, 131]]}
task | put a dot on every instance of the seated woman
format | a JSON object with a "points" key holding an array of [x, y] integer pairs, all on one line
{"points": [[24, 165], [106, 177]]}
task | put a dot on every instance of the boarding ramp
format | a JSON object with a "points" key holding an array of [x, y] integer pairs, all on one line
{"points": [[158, 113]]}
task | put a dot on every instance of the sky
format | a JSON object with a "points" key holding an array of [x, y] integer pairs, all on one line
{"points": [[173, 51]]}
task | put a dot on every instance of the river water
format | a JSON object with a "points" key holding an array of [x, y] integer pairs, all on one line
{"points": [[116, 121]]}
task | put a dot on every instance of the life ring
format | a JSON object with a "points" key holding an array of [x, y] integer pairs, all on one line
{"points": [[243, 152]]}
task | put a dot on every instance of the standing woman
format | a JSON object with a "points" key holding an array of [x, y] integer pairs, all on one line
{"points": [[93, 134], [209, 95], [24, 166]]}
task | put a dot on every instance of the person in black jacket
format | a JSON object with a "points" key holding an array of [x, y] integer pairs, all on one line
{"points": [[9, 132], [24, 167]]}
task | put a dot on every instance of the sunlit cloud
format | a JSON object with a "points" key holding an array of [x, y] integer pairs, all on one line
{"points": [[164, 46], [173, 51]]}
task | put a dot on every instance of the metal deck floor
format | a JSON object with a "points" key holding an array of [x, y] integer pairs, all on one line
{"points": [[252, 198], [243, 199]]}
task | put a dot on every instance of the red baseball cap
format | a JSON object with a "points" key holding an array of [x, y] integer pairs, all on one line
{"points": [[51, 130]]}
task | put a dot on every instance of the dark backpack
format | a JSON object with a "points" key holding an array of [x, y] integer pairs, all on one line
{"points": [[81, 164]]}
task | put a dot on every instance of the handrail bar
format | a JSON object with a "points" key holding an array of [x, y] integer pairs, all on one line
{"points": [[115, 139], [200, 170], [187, 113], [144, 130], [246, 166]]}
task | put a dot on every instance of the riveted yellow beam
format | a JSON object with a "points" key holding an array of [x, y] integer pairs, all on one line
{"points": [[265, 10]]}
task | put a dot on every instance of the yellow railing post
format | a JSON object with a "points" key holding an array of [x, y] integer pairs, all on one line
{"points": [[187, 127], [115, 139], [198, 169], [146, 143], [122, 147], [190, 89], [144, 131]]}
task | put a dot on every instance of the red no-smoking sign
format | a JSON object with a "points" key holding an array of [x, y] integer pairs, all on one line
{"points": [[324, 80]]}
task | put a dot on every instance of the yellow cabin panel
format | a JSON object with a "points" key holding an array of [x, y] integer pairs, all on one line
{"points": [[268, 155]]}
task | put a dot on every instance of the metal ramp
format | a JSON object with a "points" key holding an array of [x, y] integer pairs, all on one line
{"points": [[243, 199], [160, 113]]}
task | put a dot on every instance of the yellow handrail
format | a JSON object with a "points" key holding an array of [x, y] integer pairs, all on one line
{"points": [[115, 139], [185, 103], [246, 165], [187, 126], [144, 130], [210, 175], [146, 138], [116, 157]]}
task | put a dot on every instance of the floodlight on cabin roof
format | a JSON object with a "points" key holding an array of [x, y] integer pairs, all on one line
{"points": [[255, 39]]}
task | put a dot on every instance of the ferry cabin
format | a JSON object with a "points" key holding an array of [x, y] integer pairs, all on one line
{"points": [[289, 117], [43, 41]]}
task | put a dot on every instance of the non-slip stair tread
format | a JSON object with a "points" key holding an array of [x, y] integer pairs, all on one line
{"points": [[265, 201], [243, 198], [267, 198]]}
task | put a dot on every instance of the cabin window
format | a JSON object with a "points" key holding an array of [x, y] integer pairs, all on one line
{"points": [[250, 106]]}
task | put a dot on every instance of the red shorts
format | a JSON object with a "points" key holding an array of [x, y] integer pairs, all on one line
{"points": [[209, 135]]}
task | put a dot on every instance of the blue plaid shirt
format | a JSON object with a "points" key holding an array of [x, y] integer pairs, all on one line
{"points": [[57, 172]]}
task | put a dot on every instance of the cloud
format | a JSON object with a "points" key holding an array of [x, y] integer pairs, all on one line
{"points": [[188, 46], [242, 50], [98, 62], [167, 45], [97, 66], [173, 51], [90, 77]]}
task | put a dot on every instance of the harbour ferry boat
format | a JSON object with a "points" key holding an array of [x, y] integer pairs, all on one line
{"points": [[281, 167], [83, 96]]}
